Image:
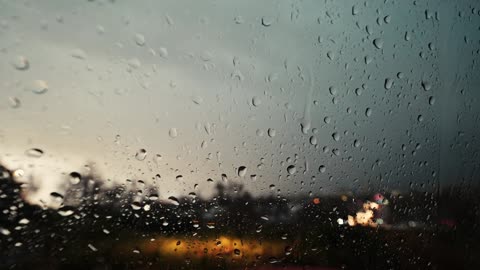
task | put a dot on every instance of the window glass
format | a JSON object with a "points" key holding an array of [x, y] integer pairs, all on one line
{"points": [[239, 134]]}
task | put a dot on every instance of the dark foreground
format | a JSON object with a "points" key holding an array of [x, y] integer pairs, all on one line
{"points": [[113, 229]]}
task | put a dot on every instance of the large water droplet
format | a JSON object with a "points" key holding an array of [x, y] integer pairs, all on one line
{"points": [[56, 196], [256, 101], [387, 19], [313, 140], [173, 133], [358, 91], [426, 85], [332, 90], [23, 221], [356, 143], [368, 59], [65, 211], [271, 132], [378, 43], [157, 158], [92, 247], [153, 197], [388, 83], [267, 21], [34, 152], [327, 120], [331, 55], [291, 169], [38, 87], [141, 154], [140, 39], [4, 231], [174, 200], [336, 136], [75, 178], [368, 112], [354, 10], [242, 171], [136, 206]]}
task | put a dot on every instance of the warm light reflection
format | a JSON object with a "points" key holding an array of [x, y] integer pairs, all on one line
{"points": [[220, 247], [365, 217]]}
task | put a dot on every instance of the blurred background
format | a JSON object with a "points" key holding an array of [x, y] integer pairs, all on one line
{"points": [[239, 134]]}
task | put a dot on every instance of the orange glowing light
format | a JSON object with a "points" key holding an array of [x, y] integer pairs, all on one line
{"points": [[222, 246], [365, 217]]}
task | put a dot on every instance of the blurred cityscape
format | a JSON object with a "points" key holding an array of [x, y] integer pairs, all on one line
{"points": [[130, 227]]}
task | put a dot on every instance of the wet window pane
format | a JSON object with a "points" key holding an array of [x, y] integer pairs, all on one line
{"points": [[239, 134]]}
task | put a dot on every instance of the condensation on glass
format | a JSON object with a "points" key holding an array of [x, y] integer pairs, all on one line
{"points": [[239, 134]]}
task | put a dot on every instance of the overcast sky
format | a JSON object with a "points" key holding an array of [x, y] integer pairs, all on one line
{"points": [[198, 85]]}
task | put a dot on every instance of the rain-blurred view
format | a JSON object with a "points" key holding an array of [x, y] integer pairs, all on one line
{"points": [[222, 134]]}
